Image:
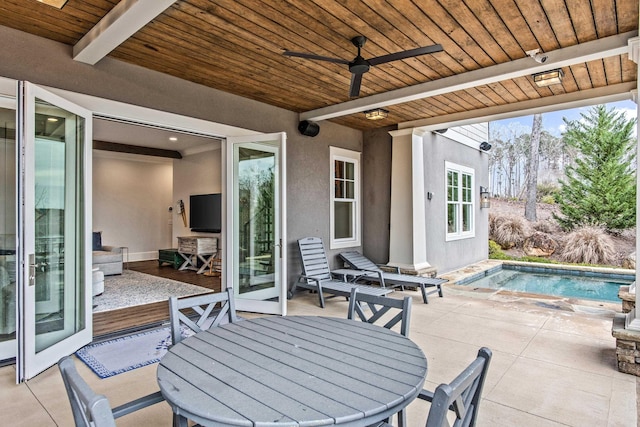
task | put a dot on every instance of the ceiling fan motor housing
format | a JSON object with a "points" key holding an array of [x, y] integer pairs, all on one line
{"points": [[359, 65]]}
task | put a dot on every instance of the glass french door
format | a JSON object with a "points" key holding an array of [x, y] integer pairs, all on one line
{"points": [[256, 211], [8, 227], [54, 185]]}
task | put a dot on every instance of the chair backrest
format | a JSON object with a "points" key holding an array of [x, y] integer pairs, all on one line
{"points": [[89, 409], [378, 307], [208, 316], [314, 258], [358, 261], [461, 396]]}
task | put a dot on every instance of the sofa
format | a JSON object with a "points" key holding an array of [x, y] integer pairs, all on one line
{"points": [[107, 258]]}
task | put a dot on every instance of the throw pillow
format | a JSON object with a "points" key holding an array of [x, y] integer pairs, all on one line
{"points": [[97, 240]]}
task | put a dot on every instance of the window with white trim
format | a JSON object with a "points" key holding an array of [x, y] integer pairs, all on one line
{"points": [[345, 198], [460, 201]]}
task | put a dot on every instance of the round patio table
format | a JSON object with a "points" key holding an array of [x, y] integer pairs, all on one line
{"points": [[292, 371]]}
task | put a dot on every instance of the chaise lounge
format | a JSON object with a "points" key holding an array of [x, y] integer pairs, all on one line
{"points": [[357, 261], [317, 276]]}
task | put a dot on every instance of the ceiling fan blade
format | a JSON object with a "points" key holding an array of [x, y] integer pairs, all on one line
{"points": [[315, 57], [356, 80], [405, 54]]}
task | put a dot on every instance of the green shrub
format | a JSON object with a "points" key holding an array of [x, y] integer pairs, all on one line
{"points": [[547, 192], [495, 251], [590, 245], [548, 199]]}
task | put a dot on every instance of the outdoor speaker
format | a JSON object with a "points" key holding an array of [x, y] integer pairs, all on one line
{"points": [[308, 128]]}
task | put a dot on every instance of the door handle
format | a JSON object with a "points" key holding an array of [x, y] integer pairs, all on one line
{"points": [[32, 269]]}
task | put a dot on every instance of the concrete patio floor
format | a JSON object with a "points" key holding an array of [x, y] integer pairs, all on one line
{"points": [[551, 367]]}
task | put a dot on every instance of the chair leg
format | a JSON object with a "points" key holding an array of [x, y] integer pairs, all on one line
{"points": [[321, 298], [424, 293]]}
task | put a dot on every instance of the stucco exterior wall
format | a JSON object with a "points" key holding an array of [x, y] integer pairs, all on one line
{"points": [[41, 61], [448, 256], [376, 194]]}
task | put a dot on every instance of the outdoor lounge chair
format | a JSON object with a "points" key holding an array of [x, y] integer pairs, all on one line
{"points": [[357, 261], [316, 275]]}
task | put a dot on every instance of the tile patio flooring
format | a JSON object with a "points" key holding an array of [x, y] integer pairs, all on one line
{"points": [[550, 367]]}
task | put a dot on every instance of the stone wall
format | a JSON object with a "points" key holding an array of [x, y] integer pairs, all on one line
{"points": [[627, 346]]}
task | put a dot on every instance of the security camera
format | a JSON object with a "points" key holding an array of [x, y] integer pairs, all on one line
{"points": [[538, 56]]}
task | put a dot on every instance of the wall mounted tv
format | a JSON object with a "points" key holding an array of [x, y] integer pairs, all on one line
{"points": [[205, 213]]}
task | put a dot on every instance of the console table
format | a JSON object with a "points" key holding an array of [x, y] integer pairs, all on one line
{"points": [[194, 248]]}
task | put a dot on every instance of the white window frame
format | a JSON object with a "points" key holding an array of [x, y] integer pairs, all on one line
{"points": [[341, 154], [459, 234]]}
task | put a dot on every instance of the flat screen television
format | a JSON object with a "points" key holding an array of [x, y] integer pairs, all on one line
{"points": [[205, 213]]}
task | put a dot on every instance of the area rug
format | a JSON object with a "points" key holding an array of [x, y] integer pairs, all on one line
{"points": [[124, 354], [132, 288]]}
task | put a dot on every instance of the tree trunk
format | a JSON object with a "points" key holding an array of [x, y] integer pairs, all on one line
{"points": [[532, 169]]}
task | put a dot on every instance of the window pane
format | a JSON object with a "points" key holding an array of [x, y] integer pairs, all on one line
{"points": [[351, 192], [343, 220], [339, 169], [339, 189], [451, 218], [350, 168], [466, 217]]}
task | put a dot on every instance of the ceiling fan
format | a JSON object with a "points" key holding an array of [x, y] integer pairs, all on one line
{"points": [[358, 66]]}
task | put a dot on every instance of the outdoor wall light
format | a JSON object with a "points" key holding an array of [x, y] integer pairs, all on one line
{"points": [[376, 114], [484, 197], [548, 78]]}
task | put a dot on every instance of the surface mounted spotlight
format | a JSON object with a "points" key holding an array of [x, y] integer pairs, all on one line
{"points": [[485, 146]]}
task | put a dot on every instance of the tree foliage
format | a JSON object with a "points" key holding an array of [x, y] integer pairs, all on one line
{"points": [[599, 186]]}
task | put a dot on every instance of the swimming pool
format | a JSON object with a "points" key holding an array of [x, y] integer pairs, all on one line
{"points": [[548, 281]]}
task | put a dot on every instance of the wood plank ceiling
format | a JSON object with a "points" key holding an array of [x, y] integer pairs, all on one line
{"points": [[237, 45]]}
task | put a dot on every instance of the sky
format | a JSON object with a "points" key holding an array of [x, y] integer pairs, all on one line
{"points": [[553, 123]]}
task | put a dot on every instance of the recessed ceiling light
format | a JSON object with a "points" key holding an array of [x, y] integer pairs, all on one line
{"points": [[52, 119], [55, 3], [173, 138]]}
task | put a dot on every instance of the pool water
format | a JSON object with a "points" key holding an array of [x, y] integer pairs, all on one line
{"points": [[563, 285]]}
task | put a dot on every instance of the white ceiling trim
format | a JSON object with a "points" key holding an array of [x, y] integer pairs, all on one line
{"points": [[603, 95], [581, 53], [124, 20]]}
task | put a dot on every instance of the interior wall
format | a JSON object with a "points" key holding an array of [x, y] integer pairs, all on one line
{"points": [[131, 199], [194, 174]]}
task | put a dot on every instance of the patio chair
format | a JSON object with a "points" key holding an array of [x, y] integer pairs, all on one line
{"points": [[460, 397], [208, 316], [378, 308], [316, 275], [93, 410], [357, 261]]}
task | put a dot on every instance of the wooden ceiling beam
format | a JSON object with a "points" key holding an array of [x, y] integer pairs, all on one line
{"points": [[124, 20], [581, 53], [135, 149]]}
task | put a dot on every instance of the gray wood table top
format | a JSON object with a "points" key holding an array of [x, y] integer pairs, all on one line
{"points": [[292, 371]]}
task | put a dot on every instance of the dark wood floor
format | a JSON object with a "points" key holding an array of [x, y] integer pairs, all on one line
{"points": [[140, 317]]}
